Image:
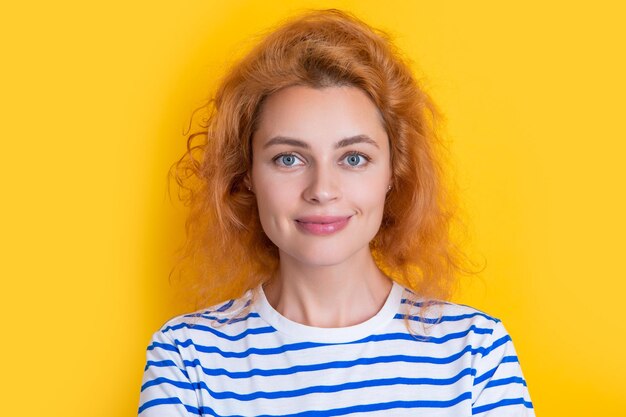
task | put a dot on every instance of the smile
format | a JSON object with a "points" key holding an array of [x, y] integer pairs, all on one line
{"points": [[322, 225]]}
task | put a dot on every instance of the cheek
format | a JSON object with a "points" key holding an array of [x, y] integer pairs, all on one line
{"points": [[377, 206], [370, 191], [273, 203], [273, 191]]}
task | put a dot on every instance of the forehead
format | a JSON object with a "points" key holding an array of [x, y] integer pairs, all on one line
{"points": [[322, 115]]}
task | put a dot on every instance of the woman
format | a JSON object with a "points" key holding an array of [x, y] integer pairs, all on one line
{"points": [[317, 198]]}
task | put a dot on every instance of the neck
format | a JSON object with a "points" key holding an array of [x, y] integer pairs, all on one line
{"points": [[329, 296]]}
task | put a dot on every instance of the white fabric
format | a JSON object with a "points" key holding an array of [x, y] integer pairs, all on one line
{"points": [[264, 364]]}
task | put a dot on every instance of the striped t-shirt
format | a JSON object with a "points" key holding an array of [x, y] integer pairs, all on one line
{"points": [[462, 363]]}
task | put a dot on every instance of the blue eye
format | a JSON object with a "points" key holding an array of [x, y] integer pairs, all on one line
{"points": [[287, 160], [356, 159]]}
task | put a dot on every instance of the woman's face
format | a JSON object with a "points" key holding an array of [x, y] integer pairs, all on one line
{"points": [[320, 172]]}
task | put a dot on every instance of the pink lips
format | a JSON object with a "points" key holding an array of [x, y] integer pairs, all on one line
{"points": [[322, 225]]}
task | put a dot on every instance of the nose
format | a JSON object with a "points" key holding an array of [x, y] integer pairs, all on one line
{"points": [[322, 186]]}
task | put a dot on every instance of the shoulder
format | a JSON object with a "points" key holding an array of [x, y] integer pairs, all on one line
{"points": [[446, 320], [439, 311], [221, 320]]}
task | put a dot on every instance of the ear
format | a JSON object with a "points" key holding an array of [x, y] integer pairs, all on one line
{"points": [[247, 182]]}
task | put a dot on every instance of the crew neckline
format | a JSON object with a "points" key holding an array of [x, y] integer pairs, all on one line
{"points": [[330, 334]]}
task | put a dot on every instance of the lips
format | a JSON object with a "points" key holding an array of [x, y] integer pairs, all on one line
{"points": [[322, 225]]}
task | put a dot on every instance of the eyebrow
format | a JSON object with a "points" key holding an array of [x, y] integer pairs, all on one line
{"points": [[283, 140]]}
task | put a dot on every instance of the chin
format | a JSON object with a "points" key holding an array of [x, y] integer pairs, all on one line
{"points": [[323, 257]]}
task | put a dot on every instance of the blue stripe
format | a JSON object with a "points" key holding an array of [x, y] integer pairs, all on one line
{"points": [[159, 364], [505, 381], [219, 309], [224, 320], [164, 364], [269, 329], [485, 376], [360, 408], [226, 306], [316, 388], [501, 341], [439, 302], [443, 319], [233, 338], [347, 364], [251, 351], [161, 380], [164, 346], [423, 303], [161, 401], [312, 345], [502, 403], [510, 359], [428, 339], [397, 316], [324, 366], [491, 372]]}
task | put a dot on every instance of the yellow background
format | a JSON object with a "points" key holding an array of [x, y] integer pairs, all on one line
{"points": [[95, 96]]}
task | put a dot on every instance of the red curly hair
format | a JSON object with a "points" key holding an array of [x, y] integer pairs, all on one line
{"points": [[226, 251]]}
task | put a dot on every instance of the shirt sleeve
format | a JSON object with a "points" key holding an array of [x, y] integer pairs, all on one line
{"points": [[166, 390], [499, 386]]}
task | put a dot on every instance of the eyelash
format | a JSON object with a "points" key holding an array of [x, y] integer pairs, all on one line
{"points": [[276, 159], [362, 155]]}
